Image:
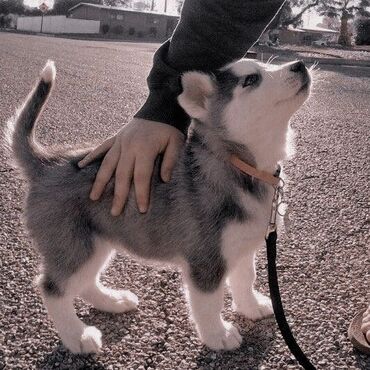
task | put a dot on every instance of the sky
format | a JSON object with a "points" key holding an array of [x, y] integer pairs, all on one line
{"points": [[309, 18], [34, 3]]}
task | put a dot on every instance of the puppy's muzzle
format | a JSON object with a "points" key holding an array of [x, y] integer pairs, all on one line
{"points": [[300, 68]]}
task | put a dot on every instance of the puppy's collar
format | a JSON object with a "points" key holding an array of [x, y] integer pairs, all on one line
{"points": [[252, 171]]}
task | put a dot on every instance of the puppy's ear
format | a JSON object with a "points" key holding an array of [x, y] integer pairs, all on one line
{"points": [[197, 89]]}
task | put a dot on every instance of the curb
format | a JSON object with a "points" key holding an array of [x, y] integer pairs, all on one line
{"points": [[259, 55], [85, 37], [311, 60], [337, 61]]}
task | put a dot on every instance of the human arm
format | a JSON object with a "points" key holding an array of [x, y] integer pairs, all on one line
{"points": [[210, 34]]}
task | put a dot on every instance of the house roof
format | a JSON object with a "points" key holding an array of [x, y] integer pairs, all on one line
{"points": [[318, 29], [292, 29], [312, 29], [120, 9]]}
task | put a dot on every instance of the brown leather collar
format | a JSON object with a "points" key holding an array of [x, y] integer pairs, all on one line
{"points": [[252, 171]]}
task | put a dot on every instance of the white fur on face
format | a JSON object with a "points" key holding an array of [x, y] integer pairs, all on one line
{"points": [[278, 83], [258, 116]]}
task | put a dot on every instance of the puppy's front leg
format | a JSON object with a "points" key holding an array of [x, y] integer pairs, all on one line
{"points": [[206, 307], [246, 300]]}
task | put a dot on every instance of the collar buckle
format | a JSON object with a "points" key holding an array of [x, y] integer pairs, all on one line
{"points": [[274, 180], [276, 202]]}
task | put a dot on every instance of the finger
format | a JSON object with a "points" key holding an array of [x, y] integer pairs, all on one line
{"points": [[105, 172], [97, 152], [122, 183], [169, 158], [142, 175]]}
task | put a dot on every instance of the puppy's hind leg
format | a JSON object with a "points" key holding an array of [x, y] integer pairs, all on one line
{"points": [[59, 288], [206, 307], [246, 300], [75, 335], [107, 299]]}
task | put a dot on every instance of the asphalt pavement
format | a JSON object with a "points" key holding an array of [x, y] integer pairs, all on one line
{"points": [[323, 257]]}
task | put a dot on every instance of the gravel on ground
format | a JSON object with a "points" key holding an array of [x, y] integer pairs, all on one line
{"points": [[323, 257]]}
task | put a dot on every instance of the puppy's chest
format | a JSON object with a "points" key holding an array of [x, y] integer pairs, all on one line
{"points": [[238, 237]]}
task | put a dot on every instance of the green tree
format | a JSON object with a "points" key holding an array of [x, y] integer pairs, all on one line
{"points": [[344, 10], [363, 31], [116, 2], [152, 5], [62, 6], [287, 17], [179, 4], [11, 7], [142, 5]]}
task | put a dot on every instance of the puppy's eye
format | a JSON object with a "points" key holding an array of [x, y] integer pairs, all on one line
{"points": [[251, 80]]}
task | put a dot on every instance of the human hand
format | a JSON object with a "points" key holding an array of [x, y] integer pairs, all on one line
{"points": [[131, 153]]}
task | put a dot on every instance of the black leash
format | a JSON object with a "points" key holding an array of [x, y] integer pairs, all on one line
{"points": [[271, 236], [278, 306]]}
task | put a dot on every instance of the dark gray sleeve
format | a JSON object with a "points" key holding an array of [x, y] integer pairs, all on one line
{"points": [[210, 34]]}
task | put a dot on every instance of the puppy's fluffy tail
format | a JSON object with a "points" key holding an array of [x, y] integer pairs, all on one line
{"points": [[28, 155]]}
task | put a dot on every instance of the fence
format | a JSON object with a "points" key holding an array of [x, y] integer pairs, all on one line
{"points": [[57, 24]]}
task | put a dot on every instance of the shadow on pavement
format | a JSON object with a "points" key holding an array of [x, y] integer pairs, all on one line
{"points": [[363, 361], [113, 327], [256, 342], [61, 358]]}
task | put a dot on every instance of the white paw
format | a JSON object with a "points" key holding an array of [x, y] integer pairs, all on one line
{"points": [[123, 300], [89, 341], [226, 338], [255, 307]]}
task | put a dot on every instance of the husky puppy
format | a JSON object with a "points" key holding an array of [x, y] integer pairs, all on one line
{"points": [[209, 220]]}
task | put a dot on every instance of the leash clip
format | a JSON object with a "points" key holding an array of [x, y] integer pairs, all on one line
{"points": [[276, 202]]}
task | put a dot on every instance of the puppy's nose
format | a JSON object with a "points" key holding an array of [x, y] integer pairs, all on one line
{"points": [[298, 67]]}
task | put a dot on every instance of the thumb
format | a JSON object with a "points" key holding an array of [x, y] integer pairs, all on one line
{"points": [[97, 152]]}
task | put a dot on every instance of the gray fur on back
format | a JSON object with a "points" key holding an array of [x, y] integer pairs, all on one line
{"points": [[185, 218]]}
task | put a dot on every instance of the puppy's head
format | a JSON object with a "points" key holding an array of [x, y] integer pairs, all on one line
{"points": [[251, 100]]}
